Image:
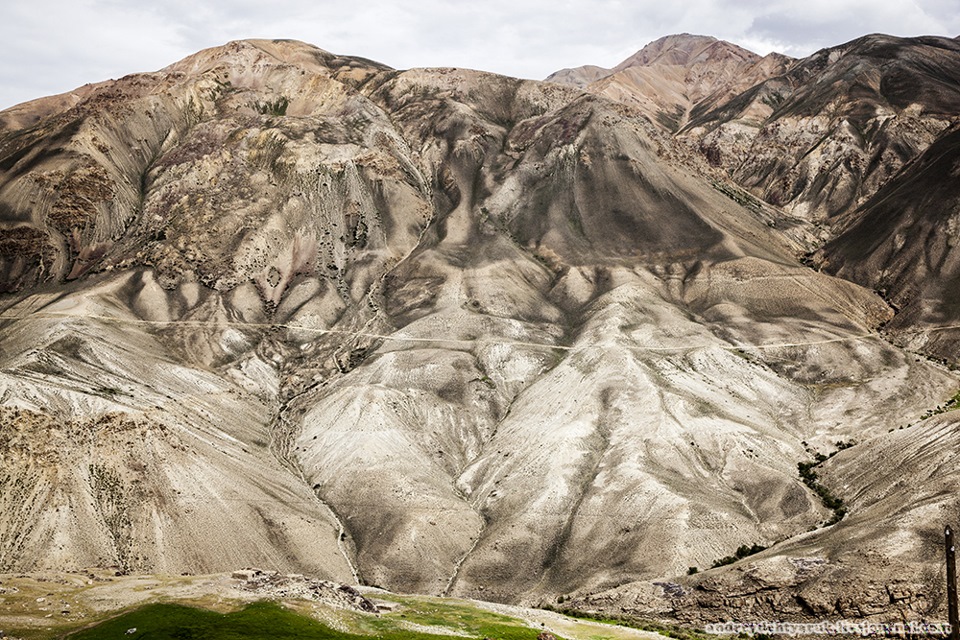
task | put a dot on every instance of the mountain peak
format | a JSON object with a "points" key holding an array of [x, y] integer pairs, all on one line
{"points": [[685, 49], [252, 53], [676, 75], [677, 50]]}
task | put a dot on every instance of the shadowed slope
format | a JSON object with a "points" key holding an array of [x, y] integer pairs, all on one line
{"points": [[823, 136], [903, 242]]}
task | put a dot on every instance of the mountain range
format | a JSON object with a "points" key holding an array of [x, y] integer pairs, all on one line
{"points": [[453, 333]]}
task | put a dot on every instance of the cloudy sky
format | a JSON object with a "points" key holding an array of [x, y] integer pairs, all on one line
{"points": [[51, 46]]}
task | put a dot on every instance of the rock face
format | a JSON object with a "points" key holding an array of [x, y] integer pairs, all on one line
{"points": [[903, 242], [858, 139], [436, 330]]}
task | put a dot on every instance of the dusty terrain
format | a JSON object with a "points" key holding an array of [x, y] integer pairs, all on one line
{"points": [[883, 562], [857, 139], [437, 331]]}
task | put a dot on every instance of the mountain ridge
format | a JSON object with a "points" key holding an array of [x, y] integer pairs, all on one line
{"points": [[819, 137], [676, 75]]}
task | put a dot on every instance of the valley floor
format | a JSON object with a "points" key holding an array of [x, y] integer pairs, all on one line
{"points": [[40, 606]]}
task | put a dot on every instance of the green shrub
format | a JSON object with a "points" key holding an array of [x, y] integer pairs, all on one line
{"points": [[810, 478], [276, 107], [742, 552]]}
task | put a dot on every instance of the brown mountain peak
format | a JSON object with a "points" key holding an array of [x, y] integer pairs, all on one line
{"points": [[254, 53], [675, 76], [685, 49]]}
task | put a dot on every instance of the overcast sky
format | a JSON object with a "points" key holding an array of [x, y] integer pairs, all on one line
{"points": [[52, 46]]}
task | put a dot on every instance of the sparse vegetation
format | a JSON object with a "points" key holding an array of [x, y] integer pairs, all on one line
{"points": [[950, 405], [257, 620], [809, 477], [276, 107], [742, 552], [275, 620], [669, 630], [485, 380], [109, 391], [739, 196]]}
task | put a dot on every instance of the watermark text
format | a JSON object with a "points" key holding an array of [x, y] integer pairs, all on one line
{"points": [[832, 628]]}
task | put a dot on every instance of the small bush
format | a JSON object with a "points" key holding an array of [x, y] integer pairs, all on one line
{"points": [[810, 478], [276, 107], [742, 552]]}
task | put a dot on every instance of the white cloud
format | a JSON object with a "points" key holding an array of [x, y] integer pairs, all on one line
{"points": [[814, 24], [50, 46]]}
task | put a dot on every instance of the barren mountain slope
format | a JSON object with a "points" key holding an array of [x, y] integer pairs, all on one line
{"points": [[458, 332], [903, 242], [817, 136], [677, 77], [822, 137], [884, 562]]}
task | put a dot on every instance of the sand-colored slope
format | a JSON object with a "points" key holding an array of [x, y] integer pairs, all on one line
{"points": [[446, 331]]}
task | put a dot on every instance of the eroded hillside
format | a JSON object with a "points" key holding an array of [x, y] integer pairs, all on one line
{"points": [[436, 330], [856, 140]]}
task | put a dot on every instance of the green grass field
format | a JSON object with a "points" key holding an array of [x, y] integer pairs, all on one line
{"points": [[269, 620], [204, 607], [260, 620]]}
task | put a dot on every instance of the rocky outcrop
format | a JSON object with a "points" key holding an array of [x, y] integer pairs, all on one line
{"points": [[276, 586]]}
